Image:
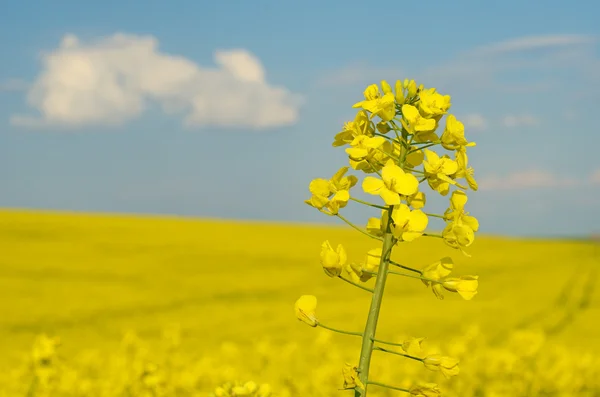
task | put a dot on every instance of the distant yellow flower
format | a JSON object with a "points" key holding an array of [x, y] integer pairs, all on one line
{"points": [[466, 286], [432, 104], [412, 346], [351, 379], [382, 106], [425, 390], [408, 225], [305, 309], [332, 261], [394, 182], [448, 366], [453, 136]]}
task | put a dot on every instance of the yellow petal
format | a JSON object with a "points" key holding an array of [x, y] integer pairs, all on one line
{"points": [[389, 197], [305, 309], [372, 185], [319, 187]]}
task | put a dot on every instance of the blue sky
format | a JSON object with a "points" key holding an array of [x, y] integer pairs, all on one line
{"points": [[228, 109]]}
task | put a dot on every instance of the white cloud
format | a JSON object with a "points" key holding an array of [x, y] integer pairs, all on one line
{"points": [[474, 121], [112, 80], [535, 42], [530, 179], [523, 120]]}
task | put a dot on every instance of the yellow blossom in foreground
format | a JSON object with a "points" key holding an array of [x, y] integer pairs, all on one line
{"points": [[305, 308], [448, 366], [394, 182], [466, 286], [362, 145], [432, 104], [408, 225], [436, 271], [425, 390], [460, 231], [351, 379], [382, 106], [415, 157], [329, 196], [361, 125], [438, 171], [464, 171], [417, 200], [453, 137], [421, 127], [333, 261]]}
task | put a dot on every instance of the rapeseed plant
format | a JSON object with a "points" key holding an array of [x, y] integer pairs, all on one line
{"points": [[391, 136]]}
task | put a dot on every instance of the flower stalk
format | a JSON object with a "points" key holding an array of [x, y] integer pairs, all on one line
{"points": [[373, 317]]}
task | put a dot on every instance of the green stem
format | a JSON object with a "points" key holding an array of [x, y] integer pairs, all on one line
{"points": [[423, 147], [387, 343], [388, 154], [433, 235], [427, 143], [356, 284], [369, 204], [339, 331], [375, 169], [383, 135], [357, 228], [388, 386], [435, 215], [417, 277], [371, 325], [398, 353], [405, 267]]}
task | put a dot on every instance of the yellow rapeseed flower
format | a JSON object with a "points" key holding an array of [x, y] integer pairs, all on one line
{"points": [[394, 182], [453, 136], [422, 128], [362, 145], [460, 231], [382, 106], [305, 309], [438, 171], [351, 380], [448, 366], [464, 171], [408, 225], [466, 286], [333, 260], [329, 196], [437, 271], [425, 390], [432, 104], [361, 125]]}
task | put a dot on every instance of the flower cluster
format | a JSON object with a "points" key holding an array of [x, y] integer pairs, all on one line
{"points": [[391, 139]]}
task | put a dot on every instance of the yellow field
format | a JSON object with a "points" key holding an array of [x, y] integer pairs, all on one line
{"points": [[229, 288]]}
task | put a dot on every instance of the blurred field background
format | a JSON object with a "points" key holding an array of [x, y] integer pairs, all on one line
{"points": [[217, 298]]}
